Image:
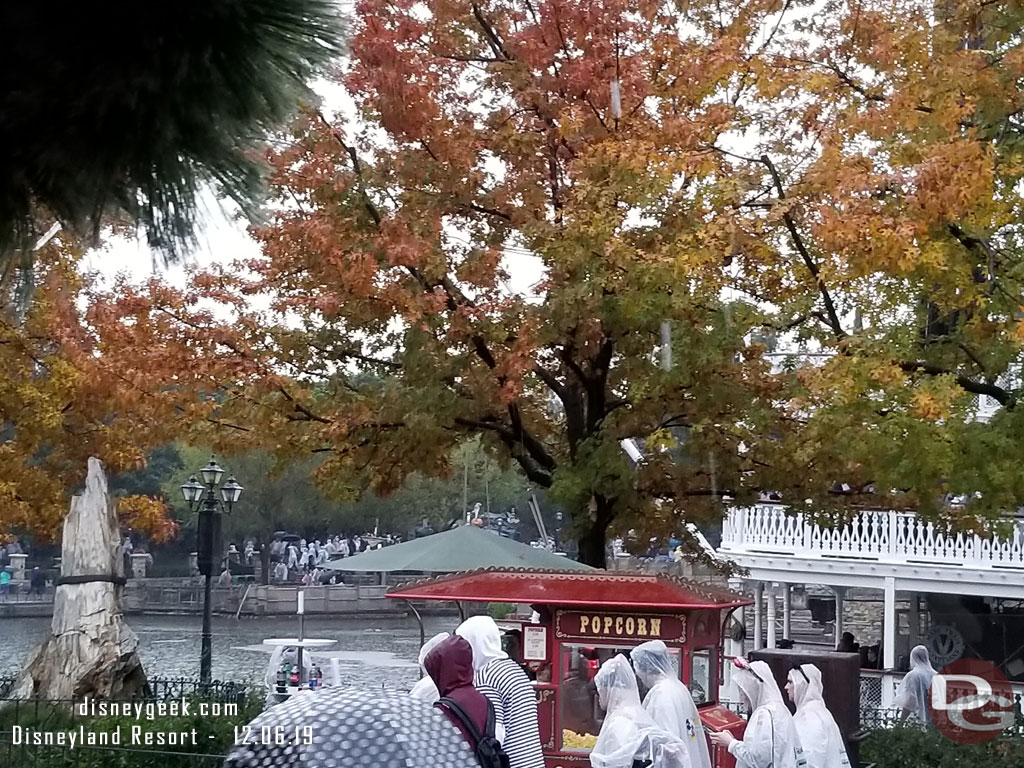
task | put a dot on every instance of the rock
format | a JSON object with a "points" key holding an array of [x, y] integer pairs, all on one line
{"points": [[90, 649]]}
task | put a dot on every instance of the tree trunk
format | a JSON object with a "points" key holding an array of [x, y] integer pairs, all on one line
{"points": [[594, 538], [90, 650], [592, 547]]}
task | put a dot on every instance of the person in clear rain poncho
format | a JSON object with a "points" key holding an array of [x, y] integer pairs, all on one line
{"points": [[912, 695], [819, 733], [668, 701], [425, 689], [629, 737], [770, 740]]}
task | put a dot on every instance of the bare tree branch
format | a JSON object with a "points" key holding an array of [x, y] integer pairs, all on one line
{"points": [[1000, 395], [830, 309]]}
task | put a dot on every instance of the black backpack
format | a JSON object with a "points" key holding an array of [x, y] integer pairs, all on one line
{"points": [[488, 751]]}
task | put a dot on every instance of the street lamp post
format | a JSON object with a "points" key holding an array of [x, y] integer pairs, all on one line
{"points": [[202, 496]]}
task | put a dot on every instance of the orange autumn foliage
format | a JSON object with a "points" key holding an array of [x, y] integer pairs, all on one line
{"points": [[66, 395], [841, 178]]}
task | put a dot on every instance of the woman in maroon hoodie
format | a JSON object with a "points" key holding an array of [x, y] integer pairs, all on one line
{"points": [[450, 666]]}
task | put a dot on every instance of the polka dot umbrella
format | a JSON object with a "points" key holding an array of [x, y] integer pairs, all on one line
{"points": [[351, 728]]}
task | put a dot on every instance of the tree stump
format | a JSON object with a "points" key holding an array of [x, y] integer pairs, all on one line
{"points": [[90, 649]]}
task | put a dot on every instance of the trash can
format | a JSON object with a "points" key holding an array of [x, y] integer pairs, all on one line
{"points": [[840, 676]]}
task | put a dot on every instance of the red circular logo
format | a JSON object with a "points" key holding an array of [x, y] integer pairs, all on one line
{"points": [[971, 701]]}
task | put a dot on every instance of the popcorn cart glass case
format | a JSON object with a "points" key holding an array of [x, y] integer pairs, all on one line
{"points": [[583, 619]]}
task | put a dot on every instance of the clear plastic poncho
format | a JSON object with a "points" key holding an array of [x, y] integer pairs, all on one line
{"points": [[425, 689], [819, 734], [912, 694], [770, 740], [668, 701], [628, 732]]}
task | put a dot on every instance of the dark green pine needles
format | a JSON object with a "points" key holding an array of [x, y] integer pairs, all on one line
{"points": [[114, 108]]}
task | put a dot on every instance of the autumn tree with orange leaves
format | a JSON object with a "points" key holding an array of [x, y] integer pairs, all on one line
{"points": [[58, 406], [80, 380], [701, 188]]}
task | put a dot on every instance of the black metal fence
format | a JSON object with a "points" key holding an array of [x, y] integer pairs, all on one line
{"points": [[21, 756], [165, 688], [218, 690], [28, 727], [879, 718]]}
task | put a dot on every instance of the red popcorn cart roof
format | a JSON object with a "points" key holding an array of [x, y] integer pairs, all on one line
{"points": [[599, 589]]}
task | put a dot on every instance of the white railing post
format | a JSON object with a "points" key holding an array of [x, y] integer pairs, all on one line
{"points": [[839, 625], [888, 690], [787, 610], [889, 624], [758, 613]]}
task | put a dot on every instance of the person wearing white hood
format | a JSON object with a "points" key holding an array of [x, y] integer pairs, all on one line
{"points": [[819, 733], [915, 688], [770, 740], [629, 736], [505, 683], [425, 690], [668, 701]]}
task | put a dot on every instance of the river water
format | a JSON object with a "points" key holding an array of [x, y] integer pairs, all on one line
{"points": [[372, 652]]}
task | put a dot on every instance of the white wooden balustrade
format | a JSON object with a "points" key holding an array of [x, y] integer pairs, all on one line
{"points": [[871, 536]]}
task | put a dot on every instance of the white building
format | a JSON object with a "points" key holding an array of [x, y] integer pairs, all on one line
{"points": [[904, 558]]}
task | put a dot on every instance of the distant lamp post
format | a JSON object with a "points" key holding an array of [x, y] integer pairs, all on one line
{"points": [[202, 496]]}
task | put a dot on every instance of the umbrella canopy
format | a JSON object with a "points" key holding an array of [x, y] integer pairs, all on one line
{"points": [[285, 536], [462, 549], [351, 728]]}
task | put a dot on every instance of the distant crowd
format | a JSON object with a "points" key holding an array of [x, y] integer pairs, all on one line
{"points": [[296, 560]]}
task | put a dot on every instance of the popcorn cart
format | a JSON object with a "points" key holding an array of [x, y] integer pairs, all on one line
{"points": [[582, 619]]}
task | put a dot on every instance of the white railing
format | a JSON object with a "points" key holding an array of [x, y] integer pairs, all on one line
{"points": [[870, 535]]}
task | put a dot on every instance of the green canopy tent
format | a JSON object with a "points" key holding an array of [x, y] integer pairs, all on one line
{"points": [[462, 549]]}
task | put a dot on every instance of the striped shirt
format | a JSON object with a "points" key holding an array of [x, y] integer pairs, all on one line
{"points": [[515, 707]]}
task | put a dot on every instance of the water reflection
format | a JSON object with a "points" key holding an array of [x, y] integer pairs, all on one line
{"points": [[372, 652]]}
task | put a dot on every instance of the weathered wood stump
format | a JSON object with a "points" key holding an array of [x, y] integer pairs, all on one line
{"points": [[90, 649]]}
